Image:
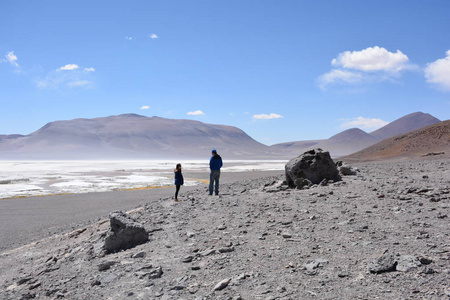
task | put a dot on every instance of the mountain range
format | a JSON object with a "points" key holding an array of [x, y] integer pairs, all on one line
{"points": [[132, 136], [354, 139]]}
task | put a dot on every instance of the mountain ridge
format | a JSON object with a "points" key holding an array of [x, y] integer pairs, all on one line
{"points": [[354, 139], [130, 136]]}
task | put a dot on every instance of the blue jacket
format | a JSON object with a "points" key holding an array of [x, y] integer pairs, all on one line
{"points": [[215, 163], [179, 178]]}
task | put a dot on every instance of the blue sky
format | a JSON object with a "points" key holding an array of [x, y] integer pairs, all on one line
{"points": [[280, 70]]}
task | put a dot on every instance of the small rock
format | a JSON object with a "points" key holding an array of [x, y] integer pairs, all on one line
{"points": [[226, 249], [385, 263], [187, 259], [106, 265], [23, 280], [406, 263], [222, 284], [207, 252], [139, 255], [95, 282], [425, 261], [156, 273]]}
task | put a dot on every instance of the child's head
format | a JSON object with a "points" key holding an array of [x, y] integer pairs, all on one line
{"points": [[178, 167]]}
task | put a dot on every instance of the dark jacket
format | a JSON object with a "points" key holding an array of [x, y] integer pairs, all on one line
{"points": [[215, 163], [179, 180]]}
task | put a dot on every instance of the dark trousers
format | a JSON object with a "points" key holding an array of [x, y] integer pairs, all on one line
{"points": [[214, 182], [177, 189]]}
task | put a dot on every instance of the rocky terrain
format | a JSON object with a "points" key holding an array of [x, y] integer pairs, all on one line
{"points": [[380, 234]]}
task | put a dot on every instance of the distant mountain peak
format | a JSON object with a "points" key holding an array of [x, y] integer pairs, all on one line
{"points": [[131, 115], [349, 133], [406, 123]]}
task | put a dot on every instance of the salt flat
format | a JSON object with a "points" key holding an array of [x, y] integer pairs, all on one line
{"points": [[33, 178]]}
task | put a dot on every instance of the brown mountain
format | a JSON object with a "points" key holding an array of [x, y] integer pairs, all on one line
{"points": [[405, 124], [429, 140], [132, 136]]}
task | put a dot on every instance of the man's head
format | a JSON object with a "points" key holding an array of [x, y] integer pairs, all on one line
{"points": [[214, 151]]}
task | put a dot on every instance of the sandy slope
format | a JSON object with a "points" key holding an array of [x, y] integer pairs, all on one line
{"points": [[433, 139]]}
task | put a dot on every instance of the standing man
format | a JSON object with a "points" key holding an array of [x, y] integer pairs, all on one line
{"points": [[215, 163]]}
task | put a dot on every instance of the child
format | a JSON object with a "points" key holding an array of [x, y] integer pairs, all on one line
{"points": [[179, 181]]}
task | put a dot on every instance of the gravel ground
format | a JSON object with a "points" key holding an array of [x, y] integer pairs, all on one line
{"points": [[381, 234], [26, 220]]}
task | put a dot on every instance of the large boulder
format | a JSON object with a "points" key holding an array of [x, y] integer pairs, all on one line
{"points": [[312, 167], [125, 233]]}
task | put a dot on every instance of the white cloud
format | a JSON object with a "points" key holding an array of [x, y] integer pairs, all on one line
{"points": [[339, 76], [267, 117], [12, 59], [80, 83], [145, 107], [438, 72], [153, 36], [195, 113], [373, 64], [59, 78], [69, 67], [129, 38], [372, 59], [363, 123]]}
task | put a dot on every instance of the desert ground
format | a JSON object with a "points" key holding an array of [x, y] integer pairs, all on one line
{"points": [[380, 234]]}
